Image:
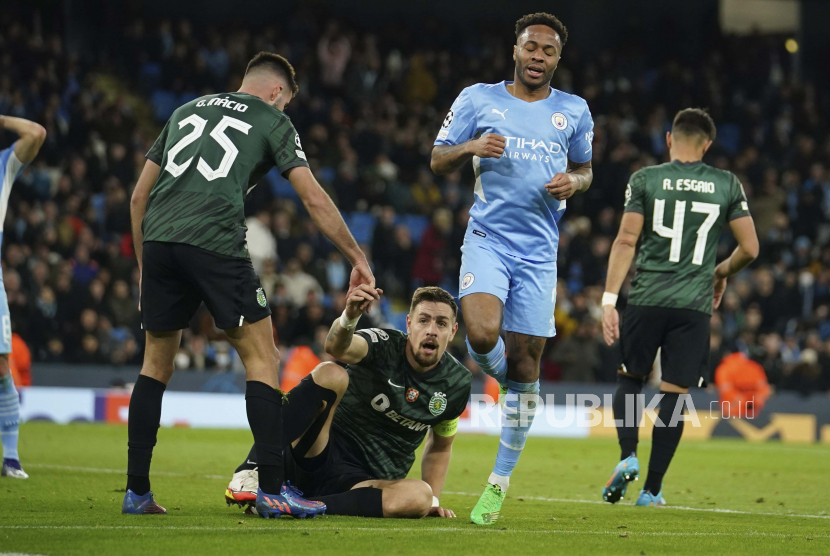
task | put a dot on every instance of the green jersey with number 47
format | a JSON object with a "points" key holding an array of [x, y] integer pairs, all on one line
{"points": [[685, 206], [212, 152]]}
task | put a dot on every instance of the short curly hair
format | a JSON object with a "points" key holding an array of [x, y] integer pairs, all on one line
{"points": [[543, 18]]}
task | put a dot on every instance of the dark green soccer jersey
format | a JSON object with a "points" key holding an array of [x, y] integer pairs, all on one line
{"points": [[212, 152], [685, 206], [388, 407]]}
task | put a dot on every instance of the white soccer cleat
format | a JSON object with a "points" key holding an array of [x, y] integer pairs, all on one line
{"points": [[242, 488], [13, 471]]}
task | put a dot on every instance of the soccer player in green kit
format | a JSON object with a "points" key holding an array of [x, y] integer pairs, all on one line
{"points": [[189, 231], [354, 431], [682, 205]]}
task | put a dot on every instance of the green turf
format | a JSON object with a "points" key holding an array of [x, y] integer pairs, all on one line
{"points": [[71, 503]]}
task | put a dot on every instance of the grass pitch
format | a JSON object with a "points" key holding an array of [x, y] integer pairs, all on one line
{"points": [[726, 496]]}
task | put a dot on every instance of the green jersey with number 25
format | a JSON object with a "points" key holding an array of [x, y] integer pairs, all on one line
{"points": [[685, 206], [212, 152]]}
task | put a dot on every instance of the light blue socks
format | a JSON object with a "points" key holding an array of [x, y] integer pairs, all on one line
{"points": [[493, 363], [9, 417], [517, 417]]}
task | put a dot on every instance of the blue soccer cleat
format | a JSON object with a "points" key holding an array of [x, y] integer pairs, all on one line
{"points": [[11, 468], [648, 499], [289, 501], [140, 505], [626, 471]]}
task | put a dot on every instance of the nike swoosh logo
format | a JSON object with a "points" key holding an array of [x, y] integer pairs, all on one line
{"points": [[393, 384], [249, 462]]}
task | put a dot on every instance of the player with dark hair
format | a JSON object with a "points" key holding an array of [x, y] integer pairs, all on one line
{"points": [[682, 205], [530, 146], [12, 161], [189, 234], [354, 431]]}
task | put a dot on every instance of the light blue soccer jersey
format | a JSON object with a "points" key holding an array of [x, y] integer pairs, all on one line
{"points": [[10, 167], [511, 204]]}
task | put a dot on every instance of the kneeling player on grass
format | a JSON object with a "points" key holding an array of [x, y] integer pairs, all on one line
{"points": [[354, 431], [682, 205]]}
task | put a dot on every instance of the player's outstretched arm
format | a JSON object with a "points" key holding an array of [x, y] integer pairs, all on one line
{"points": [[32, 136], [577, 179], [329, 221], [341, 342], [446, 159], [619, 262], [747, 251], [434, 466], [138, 204]]}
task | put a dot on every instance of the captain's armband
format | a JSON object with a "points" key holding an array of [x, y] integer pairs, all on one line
{"points": [[446, 428]]}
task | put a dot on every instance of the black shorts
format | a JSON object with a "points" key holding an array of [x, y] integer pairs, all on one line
{"points": [[683, 335], [176, 278], [337, 469]]}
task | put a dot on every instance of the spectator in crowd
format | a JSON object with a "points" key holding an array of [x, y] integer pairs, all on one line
{"points": [[262, 247], [369, 109]]}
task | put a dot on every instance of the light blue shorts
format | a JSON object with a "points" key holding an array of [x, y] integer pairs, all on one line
{"points": [[526, 288], [5, 321]]}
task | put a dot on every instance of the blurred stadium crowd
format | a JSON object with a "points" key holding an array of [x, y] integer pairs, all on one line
{"points": [[369, 109]]}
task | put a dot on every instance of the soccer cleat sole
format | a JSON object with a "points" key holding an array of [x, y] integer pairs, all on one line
{"points": [[241, 499], [613, 494], [272, 514], [487, 518], [13, 473]]}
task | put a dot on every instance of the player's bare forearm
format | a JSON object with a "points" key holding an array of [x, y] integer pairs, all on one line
{"points": [[338, 340], [436, 461], [747, 250], [584, 174], [622, 251], [32, 136], [446, 159], [577, 179], [341, 342], [138, 204], [324, 214]]}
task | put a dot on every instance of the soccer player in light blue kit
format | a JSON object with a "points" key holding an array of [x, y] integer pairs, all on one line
{"points": [[530, 146], [12, 161]]}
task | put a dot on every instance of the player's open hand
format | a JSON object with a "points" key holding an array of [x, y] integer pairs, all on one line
{"points": [[438, 511], [610, 324], [361, 274], [720, 287], [360, 297], [490, 145], [562, 186]]}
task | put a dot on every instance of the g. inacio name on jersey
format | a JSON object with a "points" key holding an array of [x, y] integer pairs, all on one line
{"points": [[223, 102], [686, 184]]}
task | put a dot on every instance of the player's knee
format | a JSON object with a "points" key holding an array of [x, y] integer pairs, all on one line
{"points": [[411, 499], [483, 336], [332, 376]]}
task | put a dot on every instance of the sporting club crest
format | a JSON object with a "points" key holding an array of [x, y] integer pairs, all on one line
{"points": [[260, 297], [559, 120], [412, 395], [438, 403]]}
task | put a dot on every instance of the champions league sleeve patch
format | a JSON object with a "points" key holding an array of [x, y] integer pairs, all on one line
{"points": [[448, 119]]}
